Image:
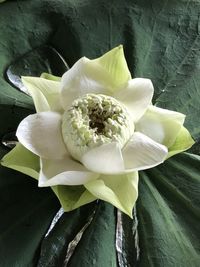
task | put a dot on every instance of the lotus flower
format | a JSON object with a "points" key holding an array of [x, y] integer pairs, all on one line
{"points": [[93, 131]]}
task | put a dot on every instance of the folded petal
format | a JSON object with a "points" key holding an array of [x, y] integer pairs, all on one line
{"points": [[45, 93], [141, 153], [183, 142], [22, 160], [82, 79], [161, 125], [72, 197], [103, 75], [114, 63], [119, 190], [64, 172], [41, 134], [105, 159], [136, 96]]}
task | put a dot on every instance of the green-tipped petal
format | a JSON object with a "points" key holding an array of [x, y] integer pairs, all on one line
{"points": [[45, 93], [183, 142], [103, 75], [114, 63], [161, 125], [50, 77], [119, 190], [22, 160]]}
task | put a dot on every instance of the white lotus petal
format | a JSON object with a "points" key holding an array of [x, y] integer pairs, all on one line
{"points": [[41, 134], [161, 125], [64, 172], [142, 153], [80, 80], [136, 96], [106, 159]]}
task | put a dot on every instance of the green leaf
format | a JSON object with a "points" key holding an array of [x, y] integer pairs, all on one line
{"points": [[127, 239], [10, 117], [54, 246], [36, 61], [26, 212], [168, 213], [97, 245]]}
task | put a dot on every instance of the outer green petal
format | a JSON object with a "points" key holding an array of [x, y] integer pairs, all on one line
{"points": [[72, 197], [119, 190], [114, 63], [22, 160], [183, 142], [50, 77], [45, 93]]}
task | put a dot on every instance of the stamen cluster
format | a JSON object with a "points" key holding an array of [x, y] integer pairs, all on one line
{"points": [[94, 120]]}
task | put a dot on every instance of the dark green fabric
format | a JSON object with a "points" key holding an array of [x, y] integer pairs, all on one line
{"points": [[161, 42]]}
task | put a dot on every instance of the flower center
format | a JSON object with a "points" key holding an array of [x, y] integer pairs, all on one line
{"points": [[94, 120]]}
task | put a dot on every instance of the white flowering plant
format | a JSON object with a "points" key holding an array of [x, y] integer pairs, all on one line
{"points": [[93, 130]]}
